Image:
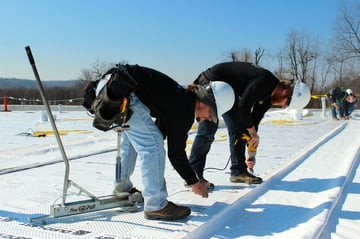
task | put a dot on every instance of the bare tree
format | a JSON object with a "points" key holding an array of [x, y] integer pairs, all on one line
{"points": [[246, 55], [325, 72], [87, 75], [258, 55], [339, 71], [234, 56], [97, 70], [300, 52], [240, 55], [282, 72], [347, 31]]}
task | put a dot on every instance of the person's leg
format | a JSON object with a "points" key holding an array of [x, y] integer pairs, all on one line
{"points": [[239, 173], [201, 146], [341, 108], [240, 151], [351, 108], [333, 112], [346, 110], [147, 140], [236, 144]]}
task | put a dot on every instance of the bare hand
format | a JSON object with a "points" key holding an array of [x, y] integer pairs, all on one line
{"points": [[201, 189], [254, 141]]}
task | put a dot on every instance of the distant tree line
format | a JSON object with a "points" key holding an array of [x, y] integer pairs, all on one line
{"points": [[55, 95]]}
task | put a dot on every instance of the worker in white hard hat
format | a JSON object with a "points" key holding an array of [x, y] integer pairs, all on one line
{"points": [[152, 94], [256, 90], [350, 103], [338, 97]]}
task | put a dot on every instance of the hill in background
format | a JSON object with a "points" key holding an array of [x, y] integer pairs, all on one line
{"points": [[10, 83]]}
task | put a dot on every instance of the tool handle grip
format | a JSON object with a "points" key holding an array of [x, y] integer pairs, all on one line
{"points": [[30, 56]]}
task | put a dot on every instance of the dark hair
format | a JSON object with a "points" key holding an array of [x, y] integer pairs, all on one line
{"points": [[285, 84], [192, 87]]}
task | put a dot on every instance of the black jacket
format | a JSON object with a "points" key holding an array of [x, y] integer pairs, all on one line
{"points": [[173, 106], [252, 85], [338, 94]]}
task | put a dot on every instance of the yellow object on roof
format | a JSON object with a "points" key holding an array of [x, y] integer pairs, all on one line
{"points": [[43, 133]]}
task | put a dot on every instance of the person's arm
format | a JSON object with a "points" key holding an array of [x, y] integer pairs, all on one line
{"points": [[254, 141], [257, 114], [249, 101], [177, 134]]}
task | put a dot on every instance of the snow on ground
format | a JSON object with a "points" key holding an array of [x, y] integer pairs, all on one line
{"points": [[309, 166]]}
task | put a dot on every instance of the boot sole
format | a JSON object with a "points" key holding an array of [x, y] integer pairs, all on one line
{"points": [[245, 181], [164, 218]]}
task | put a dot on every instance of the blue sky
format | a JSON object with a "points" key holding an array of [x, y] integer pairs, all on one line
{"points": [[178, 37]]}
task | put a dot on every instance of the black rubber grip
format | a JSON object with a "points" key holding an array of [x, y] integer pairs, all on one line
{"points": [[31, 58]]}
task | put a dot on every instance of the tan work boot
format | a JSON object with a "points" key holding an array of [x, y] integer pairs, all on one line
{"points": [[246, 177], [170, 212]]}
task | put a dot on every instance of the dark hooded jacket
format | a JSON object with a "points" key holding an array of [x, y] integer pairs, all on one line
{"points": [[253, 87], [173, 107]]}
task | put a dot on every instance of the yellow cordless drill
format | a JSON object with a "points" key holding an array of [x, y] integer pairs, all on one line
{"points": [[251, 149]]}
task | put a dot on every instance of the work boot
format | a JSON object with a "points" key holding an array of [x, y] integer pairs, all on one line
{"points": [[209, 185], [170, 212], [246, 177]]}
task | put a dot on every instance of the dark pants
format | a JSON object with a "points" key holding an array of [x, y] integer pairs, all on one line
{"points": [[201, 146], [338, 112], [205, 136], [236, 143]]}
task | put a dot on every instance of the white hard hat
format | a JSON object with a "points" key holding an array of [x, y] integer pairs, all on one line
{"points": [[218, 95], [349, 91], [300, 97], [224, 96]]}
